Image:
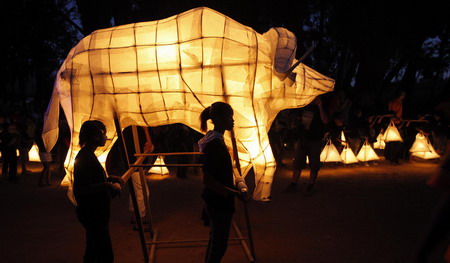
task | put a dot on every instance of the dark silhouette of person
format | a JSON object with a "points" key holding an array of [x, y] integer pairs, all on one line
{"points": [[219, 191], [276, 138], [10, 143], [310, 132], [3, 130], [393, 150], [93, 192]]}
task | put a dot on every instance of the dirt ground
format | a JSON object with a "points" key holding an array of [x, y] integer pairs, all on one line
{"points": [[358, 214]]}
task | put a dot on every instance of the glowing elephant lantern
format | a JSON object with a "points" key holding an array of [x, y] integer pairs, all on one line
{"points": [[167, 71]]}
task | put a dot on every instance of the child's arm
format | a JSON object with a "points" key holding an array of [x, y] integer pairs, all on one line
{"points": [[211, 183]]}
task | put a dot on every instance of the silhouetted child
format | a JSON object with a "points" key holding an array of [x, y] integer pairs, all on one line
{"points": [[219, 191], [93, 192]]}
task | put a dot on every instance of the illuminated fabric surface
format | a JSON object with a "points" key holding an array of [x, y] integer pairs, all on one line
{"points": [[167, 71], [367, 153], [422, 148]]}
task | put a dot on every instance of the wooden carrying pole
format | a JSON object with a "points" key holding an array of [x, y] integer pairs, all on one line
{"points": [[149, 256], [247, 218], [145, 195], [131, 187]]}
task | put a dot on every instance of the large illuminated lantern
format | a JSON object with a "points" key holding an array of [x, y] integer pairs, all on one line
{"points": [[167, 71]]}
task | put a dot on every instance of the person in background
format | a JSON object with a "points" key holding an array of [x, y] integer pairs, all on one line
{"points": [[393, 150], [396, 106], [335, 128], [310, 132], [439, 131], [219, 191], [3, 130], [93, 192], [276, 138], [10, 141], [26, 127]]}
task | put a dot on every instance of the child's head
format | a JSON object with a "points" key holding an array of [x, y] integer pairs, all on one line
{"points": [[92, 132], [221, 115]]}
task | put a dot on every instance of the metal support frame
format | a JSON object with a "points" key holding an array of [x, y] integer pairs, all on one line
{"points": [[149, 256]]}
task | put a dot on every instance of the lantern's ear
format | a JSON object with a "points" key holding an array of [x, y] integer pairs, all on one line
{"points": [[286, 46]]}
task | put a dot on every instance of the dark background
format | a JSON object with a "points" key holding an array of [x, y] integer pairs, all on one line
{"points": [[373, 49]]}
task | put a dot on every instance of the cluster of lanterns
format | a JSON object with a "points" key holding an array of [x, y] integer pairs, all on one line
{"points": [[33, 154], [331, 154], [421, 148]]}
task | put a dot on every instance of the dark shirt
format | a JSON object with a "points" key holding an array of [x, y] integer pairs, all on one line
{"points": [[217, 163], [310, 126], [90, 186]]}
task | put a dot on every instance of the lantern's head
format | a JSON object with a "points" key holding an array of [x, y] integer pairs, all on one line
{"points": [[309, 84], [302, 82]]}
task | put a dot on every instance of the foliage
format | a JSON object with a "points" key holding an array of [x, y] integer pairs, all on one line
{"points": [[371, 47]]}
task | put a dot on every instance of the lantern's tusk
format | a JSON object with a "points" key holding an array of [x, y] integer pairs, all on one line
{"points": [[307, 53]]}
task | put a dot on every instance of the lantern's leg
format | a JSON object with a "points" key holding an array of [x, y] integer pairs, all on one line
{"points": [[132, 192]]}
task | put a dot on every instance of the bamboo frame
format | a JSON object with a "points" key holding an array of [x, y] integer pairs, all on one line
{"points": [[143, 182], [149, 256], [131, 187]]}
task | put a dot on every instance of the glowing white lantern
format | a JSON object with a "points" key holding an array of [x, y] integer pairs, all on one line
{"points": [[343, 140], [162, 170], [380, 144], [167, 71], [392, 134], [422, 148], [427, 155], [33, 154], [330, 153], [366, 153], [420, 144], [348, 156]]}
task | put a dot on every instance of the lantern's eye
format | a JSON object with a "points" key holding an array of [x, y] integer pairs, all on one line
{"points": [[290, 79], [292, 76]]}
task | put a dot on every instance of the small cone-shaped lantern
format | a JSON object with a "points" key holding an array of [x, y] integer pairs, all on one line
{"points": [[420, 144], [33, 154], [343, 140], [367, 153], [329, 153], [380, 144], [159, 169], [427, 155], [392, 134], [348, 156], [422, 148]]}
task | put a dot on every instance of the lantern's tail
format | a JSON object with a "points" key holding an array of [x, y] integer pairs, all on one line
{"points": [[51, 122]]}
